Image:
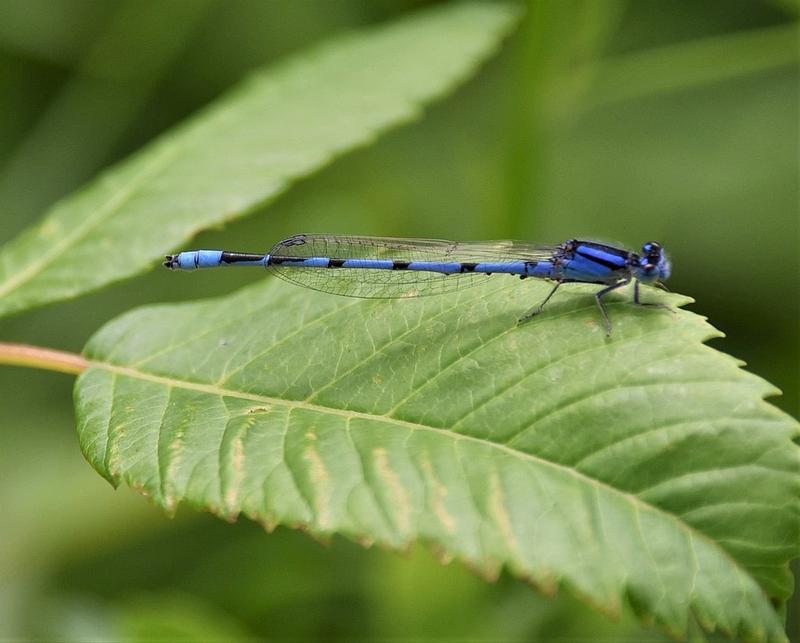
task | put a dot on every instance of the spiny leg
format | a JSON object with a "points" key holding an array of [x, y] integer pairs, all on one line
{"points": [[537, 309], [601, 293]]}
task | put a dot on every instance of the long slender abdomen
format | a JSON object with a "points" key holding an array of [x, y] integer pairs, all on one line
{"points": [[524, 268]]}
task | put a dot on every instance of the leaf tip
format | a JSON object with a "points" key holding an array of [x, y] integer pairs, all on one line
{"points": [[441, 553], [267, 521]]}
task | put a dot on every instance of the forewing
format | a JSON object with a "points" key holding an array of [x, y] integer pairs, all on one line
{"points": [[369, 283]]}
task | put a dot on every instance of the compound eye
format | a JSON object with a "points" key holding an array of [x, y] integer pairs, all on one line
{"points": [[652, 251]]}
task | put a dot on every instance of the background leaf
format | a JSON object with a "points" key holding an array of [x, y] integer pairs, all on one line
{"points": [[280, 125], [622, 468]]}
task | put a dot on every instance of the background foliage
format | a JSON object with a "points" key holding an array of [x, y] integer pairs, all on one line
{"points": [[667, 120]]}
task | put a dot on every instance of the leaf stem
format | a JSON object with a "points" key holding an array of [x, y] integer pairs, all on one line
{"points": [[44, 358]]}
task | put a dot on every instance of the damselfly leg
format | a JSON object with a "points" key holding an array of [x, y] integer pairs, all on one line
{"points": [[537, 309], [598, 296]]}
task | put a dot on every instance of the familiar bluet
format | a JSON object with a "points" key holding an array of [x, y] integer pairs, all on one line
{"points": [[385, 267]]}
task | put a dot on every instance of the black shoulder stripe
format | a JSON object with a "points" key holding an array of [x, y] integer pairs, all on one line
{"points": [[400, 265], [603, 262], [467, 266]]}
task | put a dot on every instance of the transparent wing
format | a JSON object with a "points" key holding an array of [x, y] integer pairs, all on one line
{"points": [[394, 283]]}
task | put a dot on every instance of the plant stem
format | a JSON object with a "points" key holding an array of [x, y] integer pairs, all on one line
{"points": [[44, 358]]}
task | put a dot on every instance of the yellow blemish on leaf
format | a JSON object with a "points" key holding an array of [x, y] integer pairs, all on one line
{"points": [[237, 467], [311, 436], [237, 458], [437, 492], [114, 455], [175, 449], [260, 409], [498, 511], [322, 486], [400, 499]]}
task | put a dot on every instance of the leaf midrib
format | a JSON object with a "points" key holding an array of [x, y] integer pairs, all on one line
{"points": [[635, 501]]}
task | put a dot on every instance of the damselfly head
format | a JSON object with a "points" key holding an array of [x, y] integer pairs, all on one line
{"points": [[654, 265]]}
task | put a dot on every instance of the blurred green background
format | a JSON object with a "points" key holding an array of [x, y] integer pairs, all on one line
{"points": [[673, 120]]}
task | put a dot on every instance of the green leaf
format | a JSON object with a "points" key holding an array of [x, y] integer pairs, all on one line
{"points": [[247, 148], [174, 617], [694, 63], [644, 467]]}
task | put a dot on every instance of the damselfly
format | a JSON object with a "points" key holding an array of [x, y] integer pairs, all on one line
{"points": [[385, 267]]}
